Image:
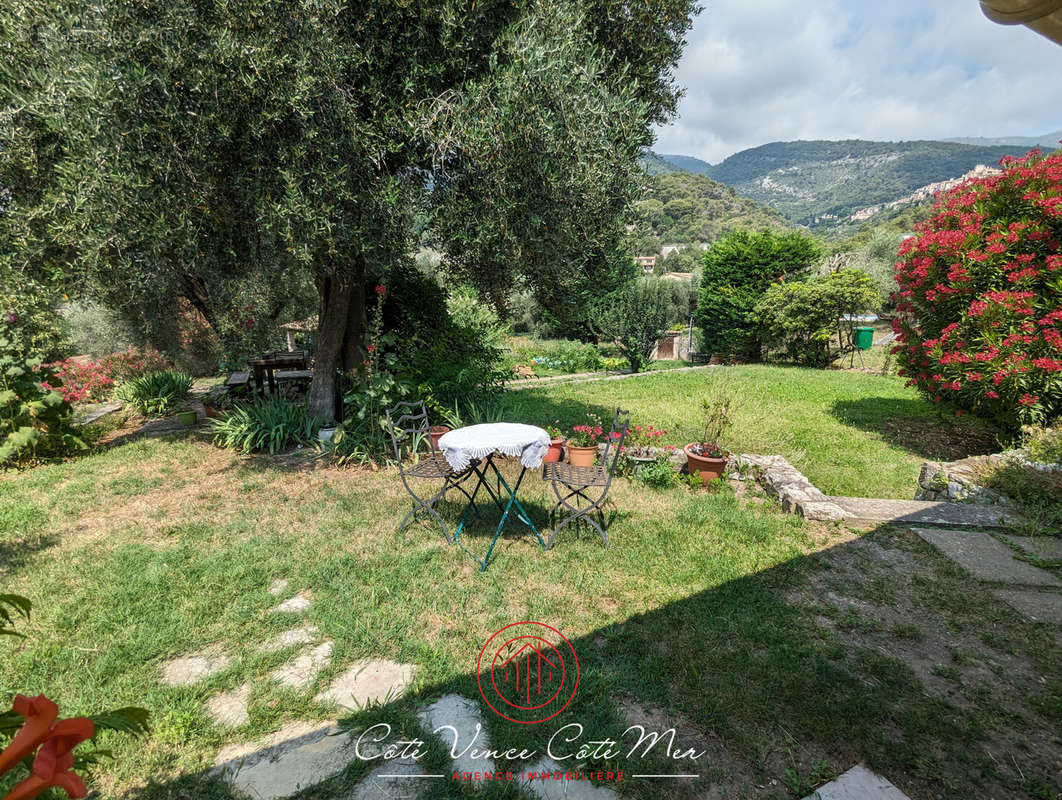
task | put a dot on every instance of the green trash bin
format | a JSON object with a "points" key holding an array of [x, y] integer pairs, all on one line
{"points": [[864, 337]]}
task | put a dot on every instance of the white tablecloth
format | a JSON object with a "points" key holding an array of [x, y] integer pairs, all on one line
{"points": [[527, 442]]}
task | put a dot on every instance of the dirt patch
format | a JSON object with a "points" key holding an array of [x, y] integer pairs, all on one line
{"points": [[938, 441], [885, 592]]}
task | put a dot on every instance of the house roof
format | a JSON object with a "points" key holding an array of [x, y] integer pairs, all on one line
{"points": [[1042, 16]]}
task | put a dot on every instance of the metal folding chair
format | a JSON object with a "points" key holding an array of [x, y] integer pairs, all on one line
{"points": [[408, 425], [587, 485]]}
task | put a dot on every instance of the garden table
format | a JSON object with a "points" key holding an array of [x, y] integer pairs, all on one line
{"points": [[476, 446]]}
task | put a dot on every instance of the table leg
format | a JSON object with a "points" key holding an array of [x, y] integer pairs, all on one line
{"points": [[521, 514], [481, 481]]}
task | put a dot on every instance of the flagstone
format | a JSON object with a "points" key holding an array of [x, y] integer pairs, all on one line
{"points": [[452, 714], [858, 783], [278, 586], [230, 708], [1037, 606], [552, 788], [192, 669], [368, 682], [985, 557], [294, 605], [303, 635], [301, 670], [400, 779], [299, 755]]}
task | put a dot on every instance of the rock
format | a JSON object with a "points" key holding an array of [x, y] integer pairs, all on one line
{"points": [[366, 683], [278, 586], [294, 605], [858, 783], [392, 780], [986, 558], [230, 708], [452, 713], [301, 671], [552, 788], [303, 635], [192, 669], [299, 755]]}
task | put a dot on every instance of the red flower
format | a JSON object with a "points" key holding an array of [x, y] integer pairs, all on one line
{"points": [[53, 766], [1029, 399], [371, 348], [381, 290], [40, 713]]}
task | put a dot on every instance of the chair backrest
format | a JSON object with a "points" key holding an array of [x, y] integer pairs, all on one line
{"points": [[621, 422], [407, 423]]}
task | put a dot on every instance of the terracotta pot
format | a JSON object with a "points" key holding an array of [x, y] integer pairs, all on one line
{"points": [[709, 469], [210, 412], [555, 452], [436, 432], [582, 456]]}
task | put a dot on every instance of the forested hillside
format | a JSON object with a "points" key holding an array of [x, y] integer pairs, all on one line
{"points": [[681, 207]]}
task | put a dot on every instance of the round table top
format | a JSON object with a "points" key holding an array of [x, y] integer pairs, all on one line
{"points": [[461, 446]]}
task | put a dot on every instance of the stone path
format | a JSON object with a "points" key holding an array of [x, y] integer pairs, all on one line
{"points": [[366, 683], [192, 669], [990, 560], [464, 717], [382, 783], [586, 377], [97, 411], [925, 512], [986, 558], [858, 783]]}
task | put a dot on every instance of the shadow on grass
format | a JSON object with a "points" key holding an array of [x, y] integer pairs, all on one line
{"points": [[735, 663], [917, 427]]}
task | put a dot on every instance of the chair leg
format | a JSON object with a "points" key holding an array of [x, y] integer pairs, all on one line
{"points": [[429, 506], [577, 511]]}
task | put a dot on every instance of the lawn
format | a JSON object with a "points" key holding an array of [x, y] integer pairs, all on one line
{"points": [[851, 433], [787, 650]]}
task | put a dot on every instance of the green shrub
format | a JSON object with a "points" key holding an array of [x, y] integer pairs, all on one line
{"points": [[33, 419], [738, 269], [568, 356], [659, 474], [805, 318], [1044, 444], [156, 393], [269, 425]]}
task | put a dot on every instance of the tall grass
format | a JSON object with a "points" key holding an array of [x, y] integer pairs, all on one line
{"points": [[270, 425]]}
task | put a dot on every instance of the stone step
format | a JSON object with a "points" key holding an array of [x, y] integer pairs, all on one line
{"points": [[985, 557], [925, 512]]}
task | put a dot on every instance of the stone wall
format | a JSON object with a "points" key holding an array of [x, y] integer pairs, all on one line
{"points": [[959, 481]]}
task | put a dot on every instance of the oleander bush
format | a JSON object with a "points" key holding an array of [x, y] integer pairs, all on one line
{"points": [[156, 393], [980, 296], [79, 381]]}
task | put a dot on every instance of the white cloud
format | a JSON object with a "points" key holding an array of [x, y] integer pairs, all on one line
{"points": [[757, 71]]}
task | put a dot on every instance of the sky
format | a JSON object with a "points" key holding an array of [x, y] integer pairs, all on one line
{"points": [[758, 71]]}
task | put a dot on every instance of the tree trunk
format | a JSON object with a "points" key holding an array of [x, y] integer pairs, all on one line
{"points": [[335, 293]]}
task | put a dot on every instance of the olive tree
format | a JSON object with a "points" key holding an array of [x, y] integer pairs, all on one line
{"points": [[635, 317]]}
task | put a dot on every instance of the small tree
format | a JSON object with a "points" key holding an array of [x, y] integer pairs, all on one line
{"points": [[807, 319], [634, 317], [738, 269]]}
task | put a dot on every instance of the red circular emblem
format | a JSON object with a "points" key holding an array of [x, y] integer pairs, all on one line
{"points": [[527, 672]]}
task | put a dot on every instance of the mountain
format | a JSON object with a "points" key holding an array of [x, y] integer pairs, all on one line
{"points": [[821, 183], [687, 163], [1048, 141]]}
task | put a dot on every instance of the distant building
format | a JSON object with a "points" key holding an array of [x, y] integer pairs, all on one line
{"points": [[647, 263]]}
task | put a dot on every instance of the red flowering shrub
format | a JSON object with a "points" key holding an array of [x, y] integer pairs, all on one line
{"points": [[981, 296], [83, 381]]}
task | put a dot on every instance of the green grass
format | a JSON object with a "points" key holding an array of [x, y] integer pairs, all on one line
{"points": [[159, 548], [851, 433]]}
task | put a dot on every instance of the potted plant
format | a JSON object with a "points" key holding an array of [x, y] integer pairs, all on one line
{"points": [[582, 443], [640, 444], [706, 457], [556, 443], [186, 417], [436, 432]]}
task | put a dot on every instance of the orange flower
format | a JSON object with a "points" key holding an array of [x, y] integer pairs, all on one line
{"points": [[40, 713], [53, 766]]}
